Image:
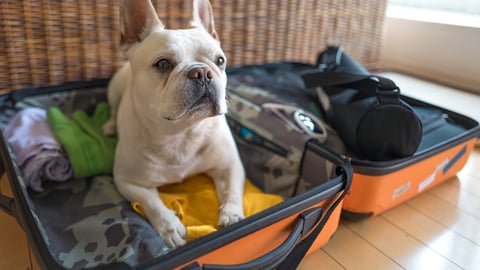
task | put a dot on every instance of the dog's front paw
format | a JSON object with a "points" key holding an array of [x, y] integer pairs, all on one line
{"points": [[109, 128], [229, 214], [171, 230]]}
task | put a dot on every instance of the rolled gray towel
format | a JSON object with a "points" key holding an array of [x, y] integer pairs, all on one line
{"points": [[37, 152]]}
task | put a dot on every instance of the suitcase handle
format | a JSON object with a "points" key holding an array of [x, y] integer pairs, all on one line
{"points": [[307, 221], [7, 204]]}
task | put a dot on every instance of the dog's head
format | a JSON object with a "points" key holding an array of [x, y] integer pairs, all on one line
{"points": [[177, 75]]}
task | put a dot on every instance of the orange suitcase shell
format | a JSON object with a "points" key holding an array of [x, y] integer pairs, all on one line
{"points": [[379, 186]]}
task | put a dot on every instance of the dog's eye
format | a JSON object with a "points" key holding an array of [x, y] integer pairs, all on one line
{"points": [[163, 65], [220, 61]]}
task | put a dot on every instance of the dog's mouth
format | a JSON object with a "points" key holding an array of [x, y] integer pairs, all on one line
{"points": [[205, 105], [207, 100], [201, 106]]}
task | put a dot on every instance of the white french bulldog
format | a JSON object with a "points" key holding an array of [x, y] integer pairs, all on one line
{"points": [[170, 120]]}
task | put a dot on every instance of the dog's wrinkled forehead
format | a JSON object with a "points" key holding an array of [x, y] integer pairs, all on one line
{"points": [[188, 42], [193, 45]]}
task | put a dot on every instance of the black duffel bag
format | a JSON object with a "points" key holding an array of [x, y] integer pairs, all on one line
{"points": [[366, 110]]}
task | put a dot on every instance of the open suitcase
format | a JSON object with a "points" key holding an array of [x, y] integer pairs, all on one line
{"points": [[53, 53], [85, 223]]}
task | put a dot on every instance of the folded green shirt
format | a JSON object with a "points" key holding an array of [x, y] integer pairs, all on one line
{"points": [[89, 151]]}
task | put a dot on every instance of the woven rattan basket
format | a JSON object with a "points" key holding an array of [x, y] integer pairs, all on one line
{"points": [[51, 42]]}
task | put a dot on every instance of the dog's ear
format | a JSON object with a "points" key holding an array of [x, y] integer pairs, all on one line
{"points": [[137, 19], [203, 16]]}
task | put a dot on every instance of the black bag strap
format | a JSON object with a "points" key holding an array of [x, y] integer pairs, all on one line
{"points": [[297, 254], [337, 69]]}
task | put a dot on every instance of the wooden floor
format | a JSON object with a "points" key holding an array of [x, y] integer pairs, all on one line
{"points": [[439, 229], [14, 246]]}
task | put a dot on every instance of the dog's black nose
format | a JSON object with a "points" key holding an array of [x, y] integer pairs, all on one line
{"points": [[203, 74]]}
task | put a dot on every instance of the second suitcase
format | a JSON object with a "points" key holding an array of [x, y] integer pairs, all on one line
{"points": [[416, 149]]}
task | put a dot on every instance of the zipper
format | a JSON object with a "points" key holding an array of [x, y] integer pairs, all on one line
{"points": [[249, 136]]}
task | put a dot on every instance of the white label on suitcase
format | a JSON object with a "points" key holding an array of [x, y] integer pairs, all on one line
{"points": [[401, 190], [431, 178]]}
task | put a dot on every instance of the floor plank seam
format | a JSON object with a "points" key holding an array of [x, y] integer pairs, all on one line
{"points": [[425, 245], [334, 259], [374, 246]]}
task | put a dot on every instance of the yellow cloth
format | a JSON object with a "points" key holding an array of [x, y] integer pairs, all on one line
{"points": [[196, 203]]}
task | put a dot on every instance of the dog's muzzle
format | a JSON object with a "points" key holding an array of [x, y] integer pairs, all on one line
{"points": [[202, 94]]}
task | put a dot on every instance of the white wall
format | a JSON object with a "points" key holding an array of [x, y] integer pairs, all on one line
{"points": [[448, 54]]}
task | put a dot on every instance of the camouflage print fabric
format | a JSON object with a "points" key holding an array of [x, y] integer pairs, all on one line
{"points": [[85, 222], [271, 147]]}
